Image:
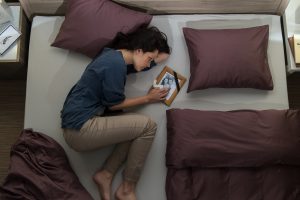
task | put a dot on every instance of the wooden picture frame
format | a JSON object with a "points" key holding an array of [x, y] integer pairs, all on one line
{"points": [[167, 78]]}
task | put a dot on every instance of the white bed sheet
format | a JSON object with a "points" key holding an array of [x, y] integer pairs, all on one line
{"points": [[52, 72]]}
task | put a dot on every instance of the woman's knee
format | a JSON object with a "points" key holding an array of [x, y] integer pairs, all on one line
{"points": [[73, 140], [151, 127]]}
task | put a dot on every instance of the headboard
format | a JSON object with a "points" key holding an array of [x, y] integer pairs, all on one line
{"points": [[58, 7]]}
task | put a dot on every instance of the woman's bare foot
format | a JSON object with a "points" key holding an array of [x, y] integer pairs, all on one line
{"points": [[103, 179], [126, 191]]}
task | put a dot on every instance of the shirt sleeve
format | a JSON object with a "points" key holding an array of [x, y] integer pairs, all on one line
{"points": [[113, 87]]}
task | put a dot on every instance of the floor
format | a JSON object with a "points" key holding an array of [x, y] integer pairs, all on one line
{"points": [[12, 103], [293, 81]]}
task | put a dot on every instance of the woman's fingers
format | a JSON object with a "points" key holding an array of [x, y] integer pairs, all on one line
{"points": [[164, 92], [157, 94]]}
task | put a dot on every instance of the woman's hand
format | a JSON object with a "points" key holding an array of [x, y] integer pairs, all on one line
{"points": [[156, 94], [161, 57]]}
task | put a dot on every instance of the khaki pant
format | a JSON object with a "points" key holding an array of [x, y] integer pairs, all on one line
{"points": [[133, 134]]}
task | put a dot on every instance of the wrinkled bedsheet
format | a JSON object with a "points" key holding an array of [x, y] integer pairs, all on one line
{"points": [[233, 155], [40, 170]]}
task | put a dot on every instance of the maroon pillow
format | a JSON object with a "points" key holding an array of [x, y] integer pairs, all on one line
{"points": [[229, 58], [92, 24]]}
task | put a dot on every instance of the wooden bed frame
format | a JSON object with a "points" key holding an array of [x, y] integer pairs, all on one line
{"points": [[277, 7]]}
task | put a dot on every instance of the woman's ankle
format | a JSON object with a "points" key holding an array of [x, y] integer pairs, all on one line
{"points": [[103, 179], [105, 173], [126, 191], [128, 186]]}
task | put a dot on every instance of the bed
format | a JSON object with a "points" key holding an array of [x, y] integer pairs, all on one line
{"points": [[53, 71]]}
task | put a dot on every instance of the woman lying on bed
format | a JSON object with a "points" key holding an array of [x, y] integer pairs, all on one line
{"points": [[87, 117]]}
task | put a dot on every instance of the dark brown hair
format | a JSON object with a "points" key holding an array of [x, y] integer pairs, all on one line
{"points": [[148, 39]]}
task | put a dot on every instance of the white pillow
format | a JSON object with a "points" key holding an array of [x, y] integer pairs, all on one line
{"points": [[4, 13]]}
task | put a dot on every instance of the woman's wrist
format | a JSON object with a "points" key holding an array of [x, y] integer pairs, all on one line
{"points": [[147, 99]]}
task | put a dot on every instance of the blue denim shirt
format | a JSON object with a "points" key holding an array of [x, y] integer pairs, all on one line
{"points": [[100, 86]]}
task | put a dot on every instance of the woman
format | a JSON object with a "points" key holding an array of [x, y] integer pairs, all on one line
{"points": [[165, 82], [86, 116]]}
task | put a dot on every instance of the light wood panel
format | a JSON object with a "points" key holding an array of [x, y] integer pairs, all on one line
{"points": [[208, 6], [58, 7], [43, 7]]}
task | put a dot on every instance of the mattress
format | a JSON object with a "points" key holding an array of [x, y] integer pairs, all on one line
{"points": [[53, 71]]}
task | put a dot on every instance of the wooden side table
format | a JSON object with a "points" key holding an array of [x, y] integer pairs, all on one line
{"points": [[291, 19], [13, 63]]}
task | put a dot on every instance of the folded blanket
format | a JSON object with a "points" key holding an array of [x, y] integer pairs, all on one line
{"points": [[39, 169], [243, 138], [234, 155]]}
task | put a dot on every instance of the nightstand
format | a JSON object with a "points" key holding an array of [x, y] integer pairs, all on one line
{"points": [[13, 62], [291, 19]]}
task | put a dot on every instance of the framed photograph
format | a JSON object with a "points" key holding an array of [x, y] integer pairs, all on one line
{"points": [[7, 37], [170, 79]]}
